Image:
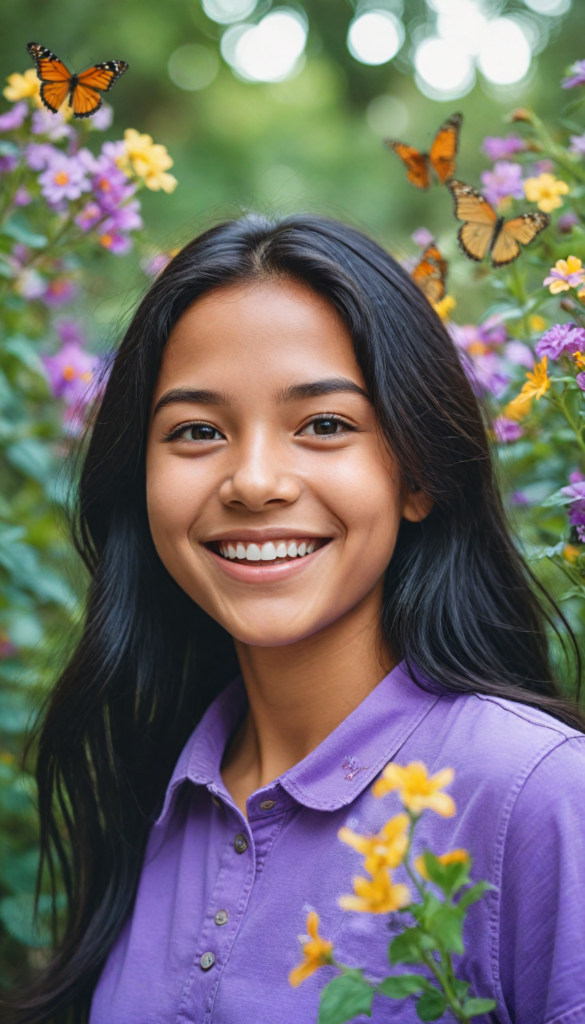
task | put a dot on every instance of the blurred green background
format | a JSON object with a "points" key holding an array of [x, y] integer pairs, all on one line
{"points": [[309, 139]]}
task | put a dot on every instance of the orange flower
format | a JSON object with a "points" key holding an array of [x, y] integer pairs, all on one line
{"points": [[416, 788], [536, 386], [383, 850], [316, 952], [377, 895]]}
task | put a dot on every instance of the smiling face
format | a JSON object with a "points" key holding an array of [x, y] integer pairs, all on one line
{"points": [[271, 498]]}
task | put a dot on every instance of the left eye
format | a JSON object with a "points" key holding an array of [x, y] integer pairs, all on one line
{"points": [[324, 426]]}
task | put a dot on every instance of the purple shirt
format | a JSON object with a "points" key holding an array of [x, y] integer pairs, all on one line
{"points": [[222, 900]]}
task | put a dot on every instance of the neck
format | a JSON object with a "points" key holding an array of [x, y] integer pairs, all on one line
{"points": [[300, 693]]}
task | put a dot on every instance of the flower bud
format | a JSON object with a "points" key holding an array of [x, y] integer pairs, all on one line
{"points": [[520, 114], [567, 304]]}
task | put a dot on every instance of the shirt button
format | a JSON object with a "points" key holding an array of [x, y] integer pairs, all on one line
{"points": [[240, 843], [207, 961], [221, 917], [267, 805]]}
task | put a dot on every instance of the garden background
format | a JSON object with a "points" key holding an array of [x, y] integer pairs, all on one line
{"points": [[307, 137]]}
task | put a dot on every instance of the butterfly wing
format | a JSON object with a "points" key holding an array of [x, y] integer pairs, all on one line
{"points": [[480, 219], [513, 233], [55, 77], [416, 163], [86, 97], [444, 148], [431, 273]]}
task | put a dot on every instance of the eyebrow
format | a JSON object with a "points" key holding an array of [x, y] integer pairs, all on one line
{"points": [[295, 392]]}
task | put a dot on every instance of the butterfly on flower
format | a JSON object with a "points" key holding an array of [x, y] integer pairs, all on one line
{"points": [[440, 158], [430, 274], [82, 90], [484, 232]]}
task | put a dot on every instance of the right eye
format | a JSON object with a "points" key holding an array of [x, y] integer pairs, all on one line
{"points": [[195, 432]]}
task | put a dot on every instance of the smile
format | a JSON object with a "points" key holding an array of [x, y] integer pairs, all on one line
{"points": [[275, 552]]}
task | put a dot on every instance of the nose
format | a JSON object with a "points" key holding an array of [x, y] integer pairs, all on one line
{"points": [[261, 476]]}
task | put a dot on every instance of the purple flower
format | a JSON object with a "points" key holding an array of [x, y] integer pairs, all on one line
{"points": [[64, 178], [422, 237], [576, 492], [566, 222], [71, 373], [13, 118], [492, 331], [30, 284], [89, 216], [44, 122], [520, 354], [544, 167], [116, 242], [562, 339], [155, 266], [125, 218], [39, 155], [102, 118], [60, 291], [503, 148], [506, 430], [8, 163], [519, 498], [581, 381], [577, 145], [577, 76], [503, 182], [110, 185], [69, 332], [114, 150], [22, 197]]}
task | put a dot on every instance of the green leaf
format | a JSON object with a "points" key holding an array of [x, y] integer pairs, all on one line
{"points": [[474, 1007], [408, 947], [401, 985], [447, 925], [32, 457], [432, 1005], [473, 895], [17, 228], [344, 998], [449, 877], [556, 500], [23, 350], [17, 916]]}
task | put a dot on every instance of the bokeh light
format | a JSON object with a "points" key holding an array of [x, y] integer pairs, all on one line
{"points": [[553, 8], [505, 55], [193, 67], [463, 25], [443, 71], [375, 37], [269, 51], [227, 11]]}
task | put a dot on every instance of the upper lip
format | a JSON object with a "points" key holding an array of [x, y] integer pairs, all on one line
{"points": [[264, 534]]}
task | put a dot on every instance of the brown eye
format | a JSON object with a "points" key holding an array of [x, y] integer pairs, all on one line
{"points": [[200, 432], [326, 426]]}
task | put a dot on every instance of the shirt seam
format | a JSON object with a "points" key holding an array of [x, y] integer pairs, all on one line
{"points": [[566, 1017], [496, 912], [552, 727]]}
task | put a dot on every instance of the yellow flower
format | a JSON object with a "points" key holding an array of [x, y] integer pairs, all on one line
{"points": [[579, 359], [536, 386], [383, 850], [316, 952], [416, 788], [376, 896], [453, 857], [537, 323], [545, 191], [24, 87], [564, 275], [148, 160], [571, 553], [444, 307]]}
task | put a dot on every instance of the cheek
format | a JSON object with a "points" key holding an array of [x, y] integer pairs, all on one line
{"points": [[175, 495]]}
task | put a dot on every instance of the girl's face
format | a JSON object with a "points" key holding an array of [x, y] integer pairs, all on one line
{"points": [[271, 498]]}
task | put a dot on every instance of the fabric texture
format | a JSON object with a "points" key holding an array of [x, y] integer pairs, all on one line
{"points": [[518, 789]]}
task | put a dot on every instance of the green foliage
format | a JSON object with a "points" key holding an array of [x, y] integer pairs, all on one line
{"points": [[344, 998]]}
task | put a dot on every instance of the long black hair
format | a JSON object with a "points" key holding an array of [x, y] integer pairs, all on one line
{"points": [[460, 605]]}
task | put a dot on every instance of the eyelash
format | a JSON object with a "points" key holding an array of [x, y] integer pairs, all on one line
{"points": [[175, 434]]}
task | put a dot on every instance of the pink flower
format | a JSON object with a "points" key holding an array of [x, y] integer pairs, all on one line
{"points": [[60, 291], [503, 182], [577, 76], [507, 431], [520, 354], [13, 118], [577, 145], [156, 265], [22, 197], [561, 340], [64, 178], [72, 374], [503, 148], [422, 237], [566, 222]]}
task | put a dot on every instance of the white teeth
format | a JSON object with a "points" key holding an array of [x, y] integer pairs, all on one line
{"points": [[292, 550], [310, 549], [281, 550], [268, 552], [241, 551], [231, 551], [302, 549], [253, 553]]}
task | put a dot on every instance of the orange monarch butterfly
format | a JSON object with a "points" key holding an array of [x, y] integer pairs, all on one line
{"points": [[430, 273], [483, 231], [441, 156], [83, 90]]}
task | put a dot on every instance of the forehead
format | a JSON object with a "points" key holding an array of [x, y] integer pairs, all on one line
{"points": [[259, 331]]}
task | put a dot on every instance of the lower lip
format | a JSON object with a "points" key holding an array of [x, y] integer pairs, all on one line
{"points": [[265, 573]]}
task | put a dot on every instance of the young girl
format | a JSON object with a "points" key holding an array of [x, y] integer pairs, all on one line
{"points": [[298, 559]]}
